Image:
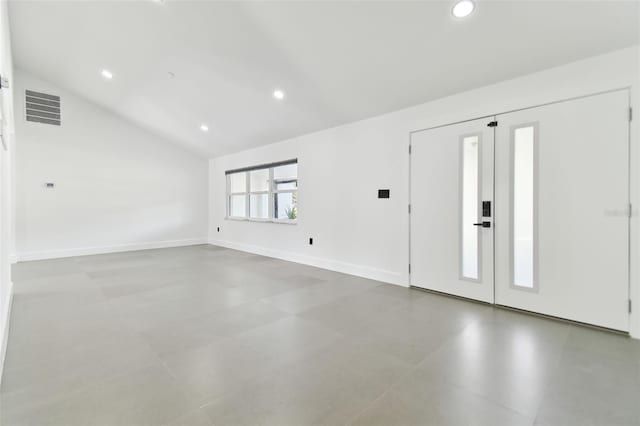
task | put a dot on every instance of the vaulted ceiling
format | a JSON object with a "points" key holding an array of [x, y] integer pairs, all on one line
{"points": [[178, 64]]}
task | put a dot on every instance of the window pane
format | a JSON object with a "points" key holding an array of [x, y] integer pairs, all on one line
{"points": [[259, 180], [285, 205], [281, 185], [238, 182], [523, 199], [290, 171], [237, 206], [285, 177], [259, 206], [470, 207]]}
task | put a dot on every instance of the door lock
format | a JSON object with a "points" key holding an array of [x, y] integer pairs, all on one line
{"points": [[486, 209], [483, 224]]}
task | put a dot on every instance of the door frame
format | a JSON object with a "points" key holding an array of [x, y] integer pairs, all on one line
{"points": [[631, 165]]}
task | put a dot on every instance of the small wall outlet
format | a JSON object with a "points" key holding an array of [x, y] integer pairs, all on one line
{"points": [[310, 241], [49, 185], [218, 229]]}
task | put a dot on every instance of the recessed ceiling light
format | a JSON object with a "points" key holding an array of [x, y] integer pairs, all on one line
{"points": [[278, 94], [107, 74], [204, 127], [463, 8]]}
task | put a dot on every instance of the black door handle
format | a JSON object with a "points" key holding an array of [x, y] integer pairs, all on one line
{"points": [[483, 224]]}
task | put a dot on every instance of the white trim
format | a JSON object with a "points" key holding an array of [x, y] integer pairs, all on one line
{"points": [[522, 108], [5, 330], [285, 221], [259, 220], [382, 275], [13, 258], [54, 254]]}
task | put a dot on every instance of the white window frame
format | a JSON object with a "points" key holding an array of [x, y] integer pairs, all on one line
{"points": [[271, 193], [230, 194], [267, 193], [274, 193]]}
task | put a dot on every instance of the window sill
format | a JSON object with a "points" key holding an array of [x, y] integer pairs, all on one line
{"points": [[278, 221]]}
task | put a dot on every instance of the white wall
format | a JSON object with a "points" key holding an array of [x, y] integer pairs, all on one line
{"points": [[117, 187], [340, 170], [6, 180]]}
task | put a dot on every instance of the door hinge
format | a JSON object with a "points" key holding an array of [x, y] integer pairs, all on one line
{"points": [[630, 210], [409, 149], [630, 113], [409, 268], [629, 305], [409, 208], [492, 124]]}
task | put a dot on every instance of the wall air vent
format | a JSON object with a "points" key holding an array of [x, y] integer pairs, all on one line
{"points": [[42, 108]]}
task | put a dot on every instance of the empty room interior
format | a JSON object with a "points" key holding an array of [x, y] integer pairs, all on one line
{"points": [[292, 213]]}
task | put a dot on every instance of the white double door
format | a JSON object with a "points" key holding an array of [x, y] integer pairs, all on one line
{"points": [[532, 213]]}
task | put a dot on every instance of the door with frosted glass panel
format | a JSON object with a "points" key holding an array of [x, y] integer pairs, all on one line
{"points": [[451, 236], [561, 224]]}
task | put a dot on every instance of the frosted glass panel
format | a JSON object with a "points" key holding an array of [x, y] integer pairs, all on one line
{"points": [[238, 182], [237, 206], [470, 207], [259, 206], [523, 206], [259, 180]]}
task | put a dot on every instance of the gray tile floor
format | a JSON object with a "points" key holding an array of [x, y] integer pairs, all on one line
{"points": [[203, 335]]}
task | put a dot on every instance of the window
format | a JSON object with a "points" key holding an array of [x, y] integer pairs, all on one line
{"points": [[264, 193], [237, 195], [470, 214], [285, 190], [523, 207], [259, 194]]}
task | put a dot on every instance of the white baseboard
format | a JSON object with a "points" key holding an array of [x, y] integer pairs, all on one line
{"points": [[4, 332], [55, 254], [330, 264]]}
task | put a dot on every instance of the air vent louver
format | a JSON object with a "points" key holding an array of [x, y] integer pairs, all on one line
{"points": [[42, 108]]}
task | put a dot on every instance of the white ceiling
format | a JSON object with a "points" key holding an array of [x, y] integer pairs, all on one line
{"points": [[336, 61]]}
